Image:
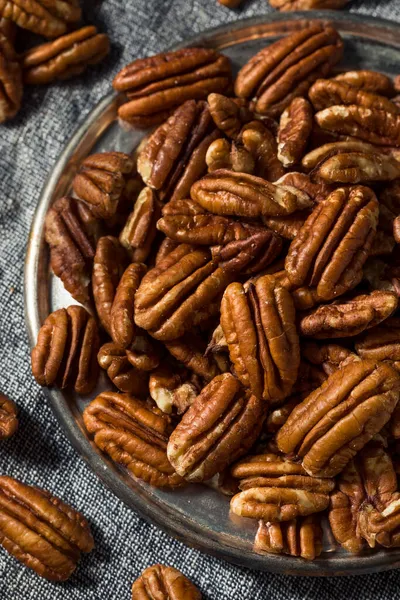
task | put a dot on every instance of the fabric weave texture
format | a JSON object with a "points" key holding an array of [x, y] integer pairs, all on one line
{"points": [[40, 453]]}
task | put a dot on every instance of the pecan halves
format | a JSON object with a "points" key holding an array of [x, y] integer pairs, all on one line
{"points": [[157, 84], [164, 583], [381, 342], [358, 167], [228, 114], [72, 231], [286, 69], [114, 359], [122, 316], [287, 5], [329, 356], [329, 92], [260, 330], [294, 131], [44, 17], [335, 421], [101, 180], [318, 155], [41, 531], [64, 57], [132, 435], [140, 228], [10, 80], [332, 246], [173, 389], [65, 351], [8, 417], [370, 81], [299, 537], [190, 350], [181, 291], [221, 425], [260, 143]]}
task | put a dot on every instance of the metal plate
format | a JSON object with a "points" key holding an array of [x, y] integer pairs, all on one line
{"points": [[199, 515]]}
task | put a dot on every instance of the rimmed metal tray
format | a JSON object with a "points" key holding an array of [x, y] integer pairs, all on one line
{"points": [[197, 515]]}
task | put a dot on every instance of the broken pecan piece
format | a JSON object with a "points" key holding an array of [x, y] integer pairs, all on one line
{"points": [[41, 531], [164, 583], [114, 359], [370, 81], [66, 349], [64, 57], [335, 421], [140, 228], [228, 114], [8, 417], [44, 17], [220, 426], [330, 92], [122, 321], [156, 85], [171, 389], [299, 537], [295, 128], [10, 80]]}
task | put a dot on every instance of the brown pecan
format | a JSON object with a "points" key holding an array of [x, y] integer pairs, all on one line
{"points": [[221, 425], [335, 421], [287, 68], [381, 342], [41, 531], [329, 356], [181, 291], [164, 583], [349, 318], [224, 155], [230, 3], [225, 192], [310, 377], [278, 416], [287, 5], [114, 359], [329, 92], [65, 351], [10, 80], [190, 350], [317, 156], [140, 228], [108, 268], [44, 17], [228, 114], [299, 537], [260, 330], [358, 167], [8, 29], [294, 131], [166, 246], [65, 57], [101, 180], [370, 81], [376, 126], [156, 85], [261, 144], [8, 417], [72, 232], [122, 321], [171, 389], [330, 249]]}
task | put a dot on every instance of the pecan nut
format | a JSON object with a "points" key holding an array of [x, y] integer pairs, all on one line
{"points": [[295, 128], [219, 427], [317, 156], [190, 350], [260, 143], [369, 81], [299, 537], [336, 421], [122, 373], [286, 69], [122, 315], [329, 356], [381, 342], [8, 417], [228, 114], [330, 92], [41, 531], [65, 351], [8, 28], [287, 5], [132, 435], [164, 583], [172, 389], [140, 229], [10, 80], [64, 57], [156, 85], [358, 167], [260, 330], [164, 249], [44, 17]]}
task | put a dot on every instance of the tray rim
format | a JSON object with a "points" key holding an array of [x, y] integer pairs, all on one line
{"points": [[190, 533]]}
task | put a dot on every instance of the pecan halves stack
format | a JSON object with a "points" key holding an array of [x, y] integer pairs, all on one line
{"points": [[44, 17], [330, 92], [72, 231], [260, 330], [299, 537], [331, 248], [65, 57], [335, 421], [294, 131], [65, 351], [101, 181], [140, 229], [122, 316], [156, 85], [41, 531], [132, 435], [10, 80], [219, 427], [125, 376], [164, 583], [286, 69], [8, 417]]}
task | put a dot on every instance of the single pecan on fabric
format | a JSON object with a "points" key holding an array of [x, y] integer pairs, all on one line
{"points": [[331, 248], [369, 81], [330, 92], [101, 181], [156, 85], [72, 232], [299, 537], [358, 167], [172, 389], [181, 291], [109, 265], [10, 80], [132, 435], [114, 359], [64, 57], [8, 28], [164, 583], [174, 156], [220, 426], [287, 68], [381, 342], [140, 229], [66, 349], [329, 356], [335, 421], [295, 128], [122, 315], [8, 417], [44, 17], [260, 330], [190, 350], [229, 114], [287, 5], [41, 531]]}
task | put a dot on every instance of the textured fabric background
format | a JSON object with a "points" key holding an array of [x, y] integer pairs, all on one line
{"points": [[39, 453]]}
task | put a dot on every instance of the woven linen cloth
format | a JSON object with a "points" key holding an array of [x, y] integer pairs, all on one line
{"points": [[40, 454]]}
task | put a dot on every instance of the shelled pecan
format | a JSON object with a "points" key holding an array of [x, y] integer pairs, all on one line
{"points": [[299, 537], [228, 114], [122, 316], [260, 143], [329, 356], [115, 360], [369, 81], [66, 349], [230, 3], [44, 17], [381, 342], [190, 351], [132, 435], [294, 131], [330, 92], [221, 154], [156, 85], [10, 80], [164, 583], [8, 417], [318, 155], [166, 246], [171, 389], [287, 5], [140, 229], [358, 167], [41, 531]]}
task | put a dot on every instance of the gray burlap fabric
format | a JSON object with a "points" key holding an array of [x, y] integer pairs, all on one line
{"points": [[39, 453]]}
